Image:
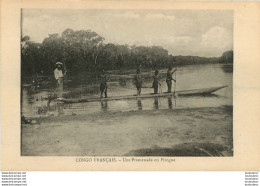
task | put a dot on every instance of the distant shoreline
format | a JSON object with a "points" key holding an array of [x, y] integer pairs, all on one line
{"points": [[93, 71]]}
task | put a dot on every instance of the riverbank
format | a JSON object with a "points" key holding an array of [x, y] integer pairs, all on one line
{"points": [[181, 132]]}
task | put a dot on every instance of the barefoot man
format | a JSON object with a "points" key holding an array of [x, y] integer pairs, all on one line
{"points": [[103, 84], [156, 81], [169, 79], [138, 81]]}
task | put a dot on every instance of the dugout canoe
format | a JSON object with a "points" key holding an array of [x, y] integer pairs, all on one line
{"points": [[204, 91], [199, 91]]}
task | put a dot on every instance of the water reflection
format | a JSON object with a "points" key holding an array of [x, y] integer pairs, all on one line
{"points": [[227, 68], [139, 104], [60, 109], [170, 103], [36, 103], [156, 103], [202, 95], [104, 105]]}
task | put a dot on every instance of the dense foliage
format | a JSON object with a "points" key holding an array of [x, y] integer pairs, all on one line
{"points": [[85, 50]]}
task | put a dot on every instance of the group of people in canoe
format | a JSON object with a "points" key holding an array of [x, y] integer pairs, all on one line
{"points": [[138, 80], [156, 84]]}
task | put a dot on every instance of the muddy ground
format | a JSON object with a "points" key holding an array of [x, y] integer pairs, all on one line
{"points": [[181, 132]]}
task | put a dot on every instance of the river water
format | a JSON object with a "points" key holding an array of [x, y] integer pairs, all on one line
{"points": [[34, 103]]}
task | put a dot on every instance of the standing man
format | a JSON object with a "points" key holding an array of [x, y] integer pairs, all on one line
{"points": [[103, 84], [58, 75], [35, 83], [138, 81], [169, 79], [156, 81]]}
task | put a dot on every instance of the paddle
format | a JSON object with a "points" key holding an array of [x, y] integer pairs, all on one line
{"points": [[160, 88], [175, 85], [175, 82]]}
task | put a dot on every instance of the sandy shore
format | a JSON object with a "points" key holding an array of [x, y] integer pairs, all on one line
{"points": [[182, 132]]}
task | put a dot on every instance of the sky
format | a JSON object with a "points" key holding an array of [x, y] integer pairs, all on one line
{"points": [[206, 33]]}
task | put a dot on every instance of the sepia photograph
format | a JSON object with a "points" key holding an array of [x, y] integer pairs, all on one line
{"points": [[129, 83]]}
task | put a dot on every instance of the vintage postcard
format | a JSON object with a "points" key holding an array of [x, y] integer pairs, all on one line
{"points": [[117, 85]]}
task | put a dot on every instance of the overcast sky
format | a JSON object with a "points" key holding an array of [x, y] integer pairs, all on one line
{"points": [[182, 32]]}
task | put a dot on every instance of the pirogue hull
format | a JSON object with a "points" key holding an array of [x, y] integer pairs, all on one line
{"points": [[204, 91]]}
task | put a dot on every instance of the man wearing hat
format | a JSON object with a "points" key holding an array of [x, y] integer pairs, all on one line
{"points": [[169, 79], [58, 75]]}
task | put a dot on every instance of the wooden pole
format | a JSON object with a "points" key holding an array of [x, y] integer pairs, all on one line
{"points": [[175, 81]]}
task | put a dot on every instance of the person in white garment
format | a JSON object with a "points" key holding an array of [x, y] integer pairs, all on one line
{"points": [[58, 75]]}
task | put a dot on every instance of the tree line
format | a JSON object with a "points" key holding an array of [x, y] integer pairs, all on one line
{"points": [[85, 50]]}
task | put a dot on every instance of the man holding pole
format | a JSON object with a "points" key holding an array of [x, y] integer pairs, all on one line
{"points": [[103, 84], [138, 81], [169, 79]]}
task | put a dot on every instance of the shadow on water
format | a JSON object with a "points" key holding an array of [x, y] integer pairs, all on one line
{"points": [[60, 109], [156, 103], [185, 149], [139, 104], [104, 105], [170, 99], [210, 95], [170, 106], [227, 68]]}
